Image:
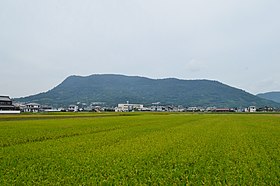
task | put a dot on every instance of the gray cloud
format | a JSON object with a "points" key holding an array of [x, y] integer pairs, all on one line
{"points": [[42, 42]]}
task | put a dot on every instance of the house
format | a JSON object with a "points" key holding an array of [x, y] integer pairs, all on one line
{"points": [[252, 109], [210, 109], [159, 108], [73, 108], [128, 107], [222, 110], [6, 103], [6, 106], [32, 107], [193, 109], [266, 109]]}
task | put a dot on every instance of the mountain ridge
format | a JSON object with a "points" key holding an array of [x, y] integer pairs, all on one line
{"points": [[116, 88], [273, 96]]}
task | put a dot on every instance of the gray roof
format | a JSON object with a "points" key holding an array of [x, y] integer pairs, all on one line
{"points": [[33, 104], [7, 106], [5, 98]]}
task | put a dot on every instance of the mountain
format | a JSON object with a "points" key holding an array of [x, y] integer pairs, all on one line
{"points": [[273, 96], [113, 89]]}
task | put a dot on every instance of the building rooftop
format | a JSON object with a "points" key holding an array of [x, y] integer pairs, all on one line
{"points": [[7, 106], [32, 104], [5, 98]]}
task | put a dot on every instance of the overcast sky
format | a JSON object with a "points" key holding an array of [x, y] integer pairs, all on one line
{"points": [[236, 42]]}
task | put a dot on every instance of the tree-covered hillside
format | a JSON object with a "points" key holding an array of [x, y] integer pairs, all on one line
{"points": [[114, 89], [273, 96]]}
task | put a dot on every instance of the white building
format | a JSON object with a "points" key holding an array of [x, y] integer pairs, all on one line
{"points": [[128, 107], [252, 109], [193, 109], [31, 107], [73, 108], [159, 108]]}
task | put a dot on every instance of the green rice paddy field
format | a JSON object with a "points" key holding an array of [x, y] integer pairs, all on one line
{"points": [[140, 149]]}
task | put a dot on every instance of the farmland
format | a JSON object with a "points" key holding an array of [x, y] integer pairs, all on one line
{"points": [[136, 148]]}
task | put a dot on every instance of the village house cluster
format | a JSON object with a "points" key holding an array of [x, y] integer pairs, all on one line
{"points": [[7, 107], [162, 108]]}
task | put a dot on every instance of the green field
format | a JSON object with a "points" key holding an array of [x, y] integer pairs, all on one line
{"points": [[136, 148]]}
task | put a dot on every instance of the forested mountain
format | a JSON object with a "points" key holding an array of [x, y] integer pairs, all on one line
{"points": [[114, 89], [273, 96]]}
